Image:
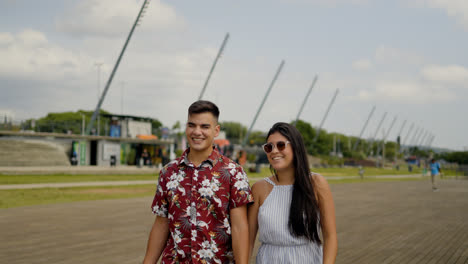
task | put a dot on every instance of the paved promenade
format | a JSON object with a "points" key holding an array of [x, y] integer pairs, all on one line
{"points": [[391, 222]]}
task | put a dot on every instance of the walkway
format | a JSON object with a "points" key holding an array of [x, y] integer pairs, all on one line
{"points": [[378, 222]]}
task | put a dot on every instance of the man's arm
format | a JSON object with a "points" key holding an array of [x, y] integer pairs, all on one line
{"points": [[157, 240], [252, 216], [240, 234]]}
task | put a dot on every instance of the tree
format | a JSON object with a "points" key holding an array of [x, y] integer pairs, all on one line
{"points": [[66, 121], [460, 157], [308, 134], [256, 138], [235, 131]]}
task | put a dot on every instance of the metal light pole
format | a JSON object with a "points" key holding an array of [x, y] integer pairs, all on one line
{"points": [[399, 135], [363, 128], [326, 114], [98, 65], [305, 99], [376, 131], [386, 135], [214, 65], [407, 135], [263, 102], [114, 70], [82, 124], [122, 98]]}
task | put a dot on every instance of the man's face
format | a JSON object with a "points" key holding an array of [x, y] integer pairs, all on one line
{"points": [[201, 130]]}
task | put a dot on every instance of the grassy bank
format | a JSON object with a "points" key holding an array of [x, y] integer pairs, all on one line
{"points": [[59, 178], [26, 197], [265, 172]]}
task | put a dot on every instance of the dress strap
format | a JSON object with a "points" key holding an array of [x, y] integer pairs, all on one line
{"points": [[270, 181]]}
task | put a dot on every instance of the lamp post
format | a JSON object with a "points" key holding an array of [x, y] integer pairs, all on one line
{"points": [[98, 65]]}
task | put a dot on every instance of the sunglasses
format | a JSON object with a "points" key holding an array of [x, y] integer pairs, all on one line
{"points": [[280, 145]]}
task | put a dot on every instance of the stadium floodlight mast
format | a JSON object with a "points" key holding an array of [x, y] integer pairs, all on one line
{"points": [[411, 142], [416, 140], [422, 138], [326, 114], [214, 65], [363, 129], [428, 139], [305, 99], [407, 135], [399, 134], [98, 65], [101, 100], [386, 135], [263, 102], [376, 131]]}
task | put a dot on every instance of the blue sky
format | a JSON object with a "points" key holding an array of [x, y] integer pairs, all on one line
{"points": [[406, 57]]}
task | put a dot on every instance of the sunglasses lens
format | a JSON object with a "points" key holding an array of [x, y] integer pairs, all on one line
{"points": [[281, 145], [268, 147]]}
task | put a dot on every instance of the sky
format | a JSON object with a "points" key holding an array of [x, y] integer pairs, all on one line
{"points": [[408, 58]]}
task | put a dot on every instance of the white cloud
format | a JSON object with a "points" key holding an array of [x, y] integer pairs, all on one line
{"points": [[448, 74], [330, 3], [29, 55], [390, 55], [454, 8], [6, 38], [6, 114], [406, 92], [362, 64], [113, 18]]}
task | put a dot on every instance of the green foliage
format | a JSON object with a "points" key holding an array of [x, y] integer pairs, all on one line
{"points": [[156, 127], [460, 157], [419, 152], [390, 149], [66, 178], [235, 131], [67, 121], [308, 134], [72, 121], [27, 197], [256, 138]]}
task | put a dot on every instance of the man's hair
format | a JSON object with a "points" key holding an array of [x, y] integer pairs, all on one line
{"points": [[202, 106]]}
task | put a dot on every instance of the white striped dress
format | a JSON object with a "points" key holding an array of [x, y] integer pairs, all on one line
{"points": [[278, 245]]}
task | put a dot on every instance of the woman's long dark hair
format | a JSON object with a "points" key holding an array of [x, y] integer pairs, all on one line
{"points": [[304, 213]]}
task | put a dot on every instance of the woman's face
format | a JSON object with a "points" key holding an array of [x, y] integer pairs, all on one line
{"points": [[280, 160]]}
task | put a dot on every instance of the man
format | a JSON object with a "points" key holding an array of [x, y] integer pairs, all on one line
{"points": [[435, 170], [201, 200]]}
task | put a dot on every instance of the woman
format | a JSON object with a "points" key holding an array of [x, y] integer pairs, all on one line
{"points": [[292, 207]]}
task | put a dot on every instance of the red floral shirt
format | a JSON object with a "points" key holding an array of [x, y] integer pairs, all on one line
{"points": [[197, 201]]}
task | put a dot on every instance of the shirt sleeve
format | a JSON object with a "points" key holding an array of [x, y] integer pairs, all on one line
{"points": [[240, 188], [160, 205]]}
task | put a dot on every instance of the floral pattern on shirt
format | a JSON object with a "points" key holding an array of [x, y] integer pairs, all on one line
{"points": [[197, 201]]}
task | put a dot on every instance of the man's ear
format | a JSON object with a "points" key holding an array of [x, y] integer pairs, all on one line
{"points": [[217, 129]]}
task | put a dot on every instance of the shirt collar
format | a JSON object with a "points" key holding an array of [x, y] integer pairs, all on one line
{"points": [[212, 159]]}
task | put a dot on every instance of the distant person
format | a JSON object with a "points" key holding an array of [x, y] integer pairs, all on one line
{"points": [[293, 210], [242, 157], [201, 200], [435, 170], [146, 157]]}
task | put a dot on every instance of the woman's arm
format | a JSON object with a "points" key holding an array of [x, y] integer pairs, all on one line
{"points": [[327, 219]]}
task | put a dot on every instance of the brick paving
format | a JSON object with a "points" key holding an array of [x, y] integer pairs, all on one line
{"points": [[378, 222]]}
